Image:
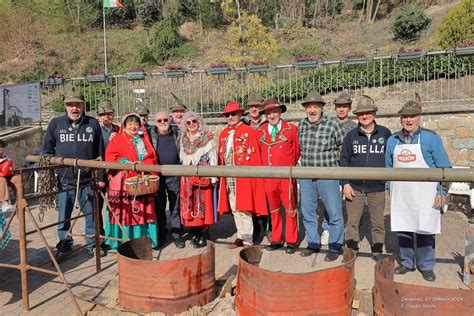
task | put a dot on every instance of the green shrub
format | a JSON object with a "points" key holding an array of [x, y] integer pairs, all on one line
{"points": [[165, 44], [266, 12], [409, 22], [57, 104], [208, 13], [458, 26]]}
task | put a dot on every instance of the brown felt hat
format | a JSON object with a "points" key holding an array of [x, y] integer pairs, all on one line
{"points": [[272, 104]]}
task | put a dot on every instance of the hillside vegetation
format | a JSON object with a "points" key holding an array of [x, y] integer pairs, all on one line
{"points": [[42, 37]]}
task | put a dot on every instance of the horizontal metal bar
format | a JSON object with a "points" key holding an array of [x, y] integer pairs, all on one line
{"points": [[11, 266], [336, 173], [57, 223], [30, 267]]}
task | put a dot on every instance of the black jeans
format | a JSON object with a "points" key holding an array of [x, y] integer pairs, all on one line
{"points": [[169, 191]]}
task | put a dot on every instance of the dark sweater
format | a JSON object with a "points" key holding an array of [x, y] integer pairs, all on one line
{"points": [[83, 142], [167, 150], [362, 150]]}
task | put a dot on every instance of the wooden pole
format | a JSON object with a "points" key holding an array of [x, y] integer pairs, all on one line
{"points": [[96, 188], [23, 266]]}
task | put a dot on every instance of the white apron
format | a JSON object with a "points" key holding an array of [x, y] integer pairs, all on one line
{"points": [[412, 202]]}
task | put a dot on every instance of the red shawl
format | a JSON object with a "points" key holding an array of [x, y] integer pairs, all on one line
{"points": [[121, 146]]}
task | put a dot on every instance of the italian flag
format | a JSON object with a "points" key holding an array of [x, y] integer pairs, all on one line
{"points": [[113, 4]]}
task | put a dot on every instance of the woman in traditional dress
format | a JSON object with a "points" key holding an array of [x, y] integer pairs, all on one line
{"points": [[136, 214], [197, 147]]}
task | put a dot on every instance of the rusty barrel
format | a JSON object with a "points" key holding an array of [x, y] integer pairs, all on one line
{"points": [[168, 286], [393, 298], [263, 292]]}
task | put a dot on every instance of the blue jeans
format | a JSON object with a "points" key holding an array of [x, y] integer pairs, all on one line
{"points": [[329, 192], [66, 205], [423, 255]]}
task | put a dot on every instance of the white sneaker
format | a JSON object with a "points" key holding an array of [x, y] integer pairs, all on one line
{"points": [[7, 207], [325, 238]]}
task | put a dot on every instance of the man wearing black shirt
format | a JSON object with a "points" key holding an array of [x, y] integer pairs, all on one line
{"points": [[166, 143]]}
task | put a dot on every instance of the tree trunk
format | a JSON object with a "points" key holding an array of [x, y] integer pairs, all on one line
{"points": [[326, 14], [375, 13], [315, 12], [362, 11], [370, 7]]}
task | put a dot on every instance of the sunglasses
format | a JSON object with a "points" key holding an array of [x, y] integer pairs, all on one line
{"points": [[231, 114], [190, 122], [162, 120]]}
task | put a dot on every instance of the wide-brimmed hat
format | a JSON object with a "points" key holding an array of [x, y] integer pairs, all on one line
{"points": [[313, 97], [178, 104], [73, 96], [232, 106], [141, 109], [255, 100], [343, 98], [105, 107], [272, 104], [410, 108], [365, 104]]}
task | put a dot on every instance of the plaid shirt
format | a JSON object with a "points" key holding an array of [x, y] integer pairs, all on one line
{"points": [[320, 144], [348, 126]]}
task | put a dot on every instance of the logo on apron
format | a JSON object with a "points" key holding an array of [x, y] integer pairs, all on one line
{"points": [[406, 156]]}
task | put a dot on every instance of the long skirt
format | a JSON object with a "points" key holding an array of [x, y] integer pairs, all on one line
{"points": [[136, 214], [196, 203], [3, 224]]}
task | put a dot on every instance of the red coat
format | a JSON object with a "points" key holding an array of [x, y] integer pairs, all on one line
{"points": [[121, 146], [250, 192], [284, 151]]}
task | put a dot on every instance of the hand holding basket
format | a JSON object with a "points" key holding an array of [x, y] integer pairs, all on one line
{"points": [[142, 184]]}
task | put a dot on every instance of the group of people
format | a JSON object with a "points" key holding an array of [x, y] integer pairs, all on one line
{"points": [[255, 136]]}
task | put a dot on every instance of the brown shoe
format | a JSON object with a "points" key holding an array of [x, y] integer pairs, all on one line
{"points": [[236, 244]]}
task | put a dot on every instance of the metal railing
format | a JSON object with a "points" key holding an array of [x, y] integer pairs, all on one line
{"points": [[440, 77]]}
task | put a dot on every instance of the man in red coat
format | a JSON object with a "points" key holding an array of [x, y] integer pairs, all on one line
{"points": [[238, 146], [279, 146]]}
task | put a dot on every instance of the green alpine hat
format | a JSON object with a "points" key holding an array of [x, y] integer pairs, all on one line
{"points": [[105, 107], [141, 109], [255, 100], [73, 96], [343, 98], [365, 104], [410, 108], [178, 104], [313, 97]]}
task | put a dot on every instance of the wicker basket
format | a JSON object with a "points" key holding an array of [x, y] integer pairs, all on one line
{"points": [[142, 184]]}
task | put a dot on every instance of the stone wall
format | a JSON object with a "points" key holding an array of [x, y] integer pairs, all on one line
{"points": [[23, 143], [455, 125]]}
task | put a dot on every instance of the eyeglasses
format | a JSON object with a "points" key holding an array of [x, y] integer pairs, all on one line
{"points": [[162, 120], [190, 122], [231, 114]]}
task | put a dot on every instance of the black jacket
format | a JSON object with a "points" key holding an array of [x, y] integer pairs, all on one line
{"points": [[358, 150], [83, 142]]}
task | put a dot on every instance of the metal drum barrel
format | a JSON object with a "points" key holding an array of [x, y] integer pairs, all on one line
{"points": [[263, 292], [168, 286], [394, 298]]}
